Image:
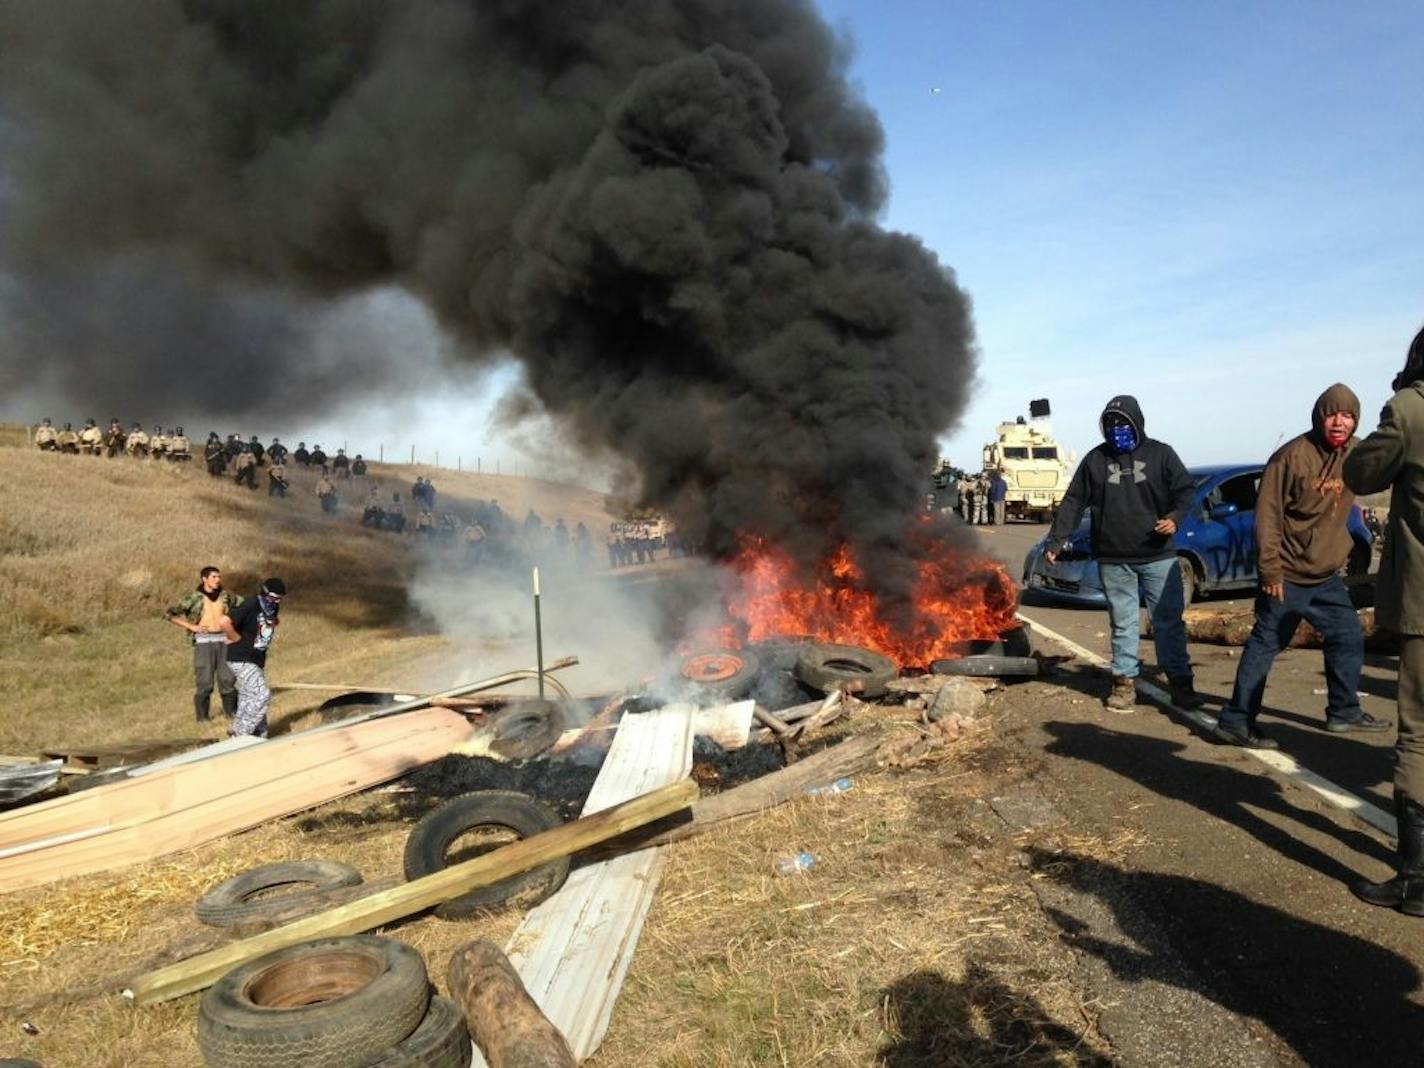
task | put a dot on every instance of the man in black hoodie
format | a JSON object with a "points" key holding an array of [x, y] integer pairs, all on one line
{"points": [[1139, 492]]}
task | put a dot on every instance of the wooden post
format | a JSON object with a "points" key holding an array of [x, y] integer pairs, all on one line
{"points": [[377, 910], [503, 1019], [538, 636], [382, 457], [412, 454]]}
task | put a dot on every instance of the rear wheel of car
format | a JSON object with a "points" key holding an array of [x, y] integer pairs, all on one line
{"points": [[1359, 562], [1190, 586]]}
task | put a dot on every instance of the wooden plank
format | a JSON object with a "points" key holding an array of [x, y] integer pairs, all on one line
{"points": [[378, 909], [189, 807], [853, 755], [129, 801], [573, 950]]}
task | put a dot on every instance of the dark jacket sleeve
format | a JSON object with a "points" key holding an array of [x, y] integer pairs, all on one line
{"points": [[1270, 503], [1074, 500], [1374, 463], [1180, 486]]}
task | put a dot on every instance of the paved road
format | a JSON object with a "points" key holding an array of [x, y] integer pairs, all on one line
{"points": [[1295, 703], [1234, 896]]}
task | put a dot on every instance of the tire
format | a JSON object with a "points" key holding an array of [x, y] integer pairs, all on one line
{"points": [[780, 652], [1015, 642], [441, 1041], [1360, 557], [325, 1004], [348, 704], [986, 666], [231, 903], [828, 667], [1191, 584], [725, 674], [526, 729], [430, 839]]}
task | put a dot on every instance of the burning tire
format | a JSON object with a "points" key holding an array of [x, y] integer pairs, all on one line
{"points": [[987, 666], [781, 651], [832, 667], [724, 673], [235, 901], [1016, 642], [349, 704], [494, 814], [525, 729], [441, 1041], [324, 1004]]}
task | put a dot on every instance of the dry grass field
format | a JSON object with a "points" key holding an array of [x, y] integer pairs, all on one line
{"points": [[914, 942], [92, 549]]}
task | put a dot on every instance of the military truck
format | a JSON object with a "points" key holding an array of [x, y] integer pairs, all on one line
{"points": [[1033, 464]]}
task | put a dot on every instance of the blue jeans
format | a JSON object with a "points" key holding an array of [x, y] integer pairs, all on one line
{"points": [[1328, 609], [1159, 583]]}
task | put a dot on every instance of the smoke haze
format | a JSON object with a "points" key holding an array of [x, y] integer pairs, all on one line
{"points": [[665, 212]]}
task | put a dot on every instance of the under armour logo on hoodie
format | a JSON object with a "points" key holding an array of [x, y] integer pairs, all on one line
{"points": [[1139, 472]]}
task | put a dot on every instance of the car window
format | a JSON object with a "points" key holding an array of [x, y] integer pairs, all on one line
{"points": [[1240, 491], [1015, 452], [1049, 452]]}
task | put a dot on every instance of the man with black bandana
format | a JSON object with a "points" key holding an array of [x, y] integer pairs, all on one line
{"points": [[1139, 491], [250, 630], [200, 613]]}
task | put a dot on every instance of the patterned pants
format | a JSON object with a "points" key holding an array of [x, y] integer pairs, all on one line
{"points": [[253, 700]]}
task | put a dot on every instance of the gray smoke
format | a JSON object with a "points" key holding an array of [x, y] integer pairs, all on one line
{"points": [[664, 211]]}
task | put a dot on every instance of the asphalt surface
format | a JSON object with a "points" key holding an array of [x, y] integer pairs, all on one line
{"points": [[1228, 936]]}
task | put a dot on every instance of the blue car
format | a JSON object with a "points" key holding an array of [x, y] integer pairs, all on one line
{"points": [[1216, 543]]}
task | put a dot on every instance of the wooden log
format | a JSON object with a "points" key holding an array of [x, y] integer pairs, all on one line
{"points": [[503, 1019], [770, 722], [378, 909], [1232, 626], [831, 709]]}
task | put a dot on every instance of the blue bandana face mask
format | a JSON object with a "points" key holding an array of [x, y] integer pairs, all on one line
{"points": [[1122, 435]]}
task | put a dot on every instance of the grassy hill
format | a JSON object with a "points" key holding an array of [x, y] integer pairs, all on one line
{"points": [[93, 549]]}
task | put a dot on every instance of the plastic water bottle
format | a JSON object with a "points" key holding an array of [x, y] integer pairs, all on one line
{"points": [[801, 862], [840, 786]]}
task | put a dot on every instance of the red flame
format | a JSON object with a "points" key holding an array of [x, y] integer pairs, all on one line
{"points": [[957, 598]]}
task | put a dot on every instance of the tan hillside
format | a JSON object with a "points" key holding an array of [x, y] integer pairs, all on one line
{"points": [[92, 549]]}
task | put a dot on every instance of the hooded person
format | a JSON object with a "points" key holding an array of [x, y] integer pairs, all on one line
{"points": [[1139, 492], [1392, 458], [250, 629], [1302, 543]]}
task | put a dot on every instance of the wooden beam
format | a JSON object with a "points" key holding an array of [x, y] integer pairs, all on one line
{"points": [[845, 758], [379, 909], [503, 1019]]}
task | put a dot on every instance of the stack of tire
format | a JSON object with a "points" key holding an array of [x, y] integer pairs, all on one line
{"points": [[334, 1003]]}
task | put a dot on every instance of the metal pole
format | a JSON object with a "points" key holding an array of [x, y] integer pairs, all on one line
{"points": [[459, 463], [538, 636], [437, 457], [382, 457], [412, 454]]}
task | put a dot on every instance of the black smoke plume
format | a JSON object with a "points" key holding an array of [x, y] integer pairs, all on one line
{"points": [[664, 211]]}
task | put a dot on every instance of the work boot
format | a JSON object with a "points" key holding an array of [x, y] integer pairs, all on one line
{"points": [[1366, 722], [1184, 694], [229, 703], [1248, 737], [1405, 891], [200, 707], [1123, 696]]}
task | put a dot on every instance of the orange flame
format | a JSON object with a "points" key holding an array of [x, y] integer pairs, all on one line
{"points": [[957, 598]]}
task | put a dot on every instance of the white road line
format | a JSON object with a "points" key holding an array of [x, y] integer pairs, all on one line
{"points": [[1284, 763]]}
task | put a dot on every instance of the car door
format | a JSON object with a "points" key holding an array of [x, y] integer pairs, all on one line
{"points": [[1240, 490]]}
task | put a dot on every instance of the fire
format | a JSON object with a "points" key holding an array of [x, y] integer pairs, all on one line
{"points": [[957, 598]]}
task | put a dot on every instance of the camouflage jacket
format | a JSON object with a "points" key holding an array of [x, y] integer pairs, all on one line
{"points": [[190, 605]]}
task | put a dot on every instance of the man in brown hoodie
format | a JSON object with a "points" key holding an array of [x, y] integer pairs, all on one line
{"points": [[1302, 542]]}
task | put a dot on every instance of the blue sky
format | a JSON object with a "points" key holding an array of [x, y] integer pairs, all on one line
{"points": [[1215, 206]]}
